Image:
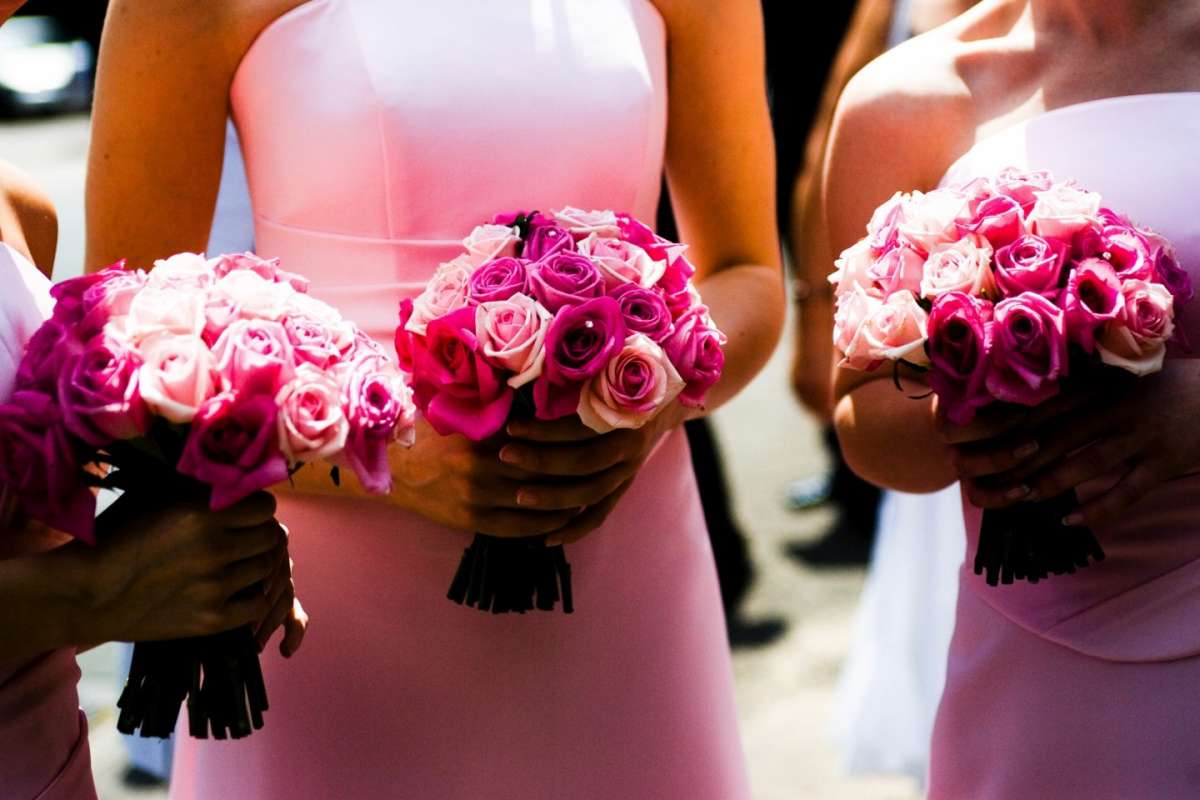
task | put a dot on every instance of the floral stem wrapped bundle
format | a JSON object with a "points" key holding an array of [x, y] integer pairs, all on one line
{"points": [[586, 313], [1004, 290], [207, 379]]}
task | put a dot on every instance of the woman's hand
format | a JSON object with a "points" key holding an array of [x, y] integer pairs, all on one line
{"points": [[1140, 429], [286, 611], [567, 466]]}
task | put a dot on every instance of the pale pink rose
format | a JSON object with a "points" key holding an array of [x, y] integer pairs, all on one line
{"points": [[487, 242], [177, 376], [622, 262], [378, 403], [267, 268], [962, 266], [931, 219], [893, 330], [852, 269], [255, 296], [165, 310], [1137, 341], [303, 305], [853, 309], [312, 422], [181, 271], [445, 292], [899, 269], [883, 229], [316, 343], [1022, 186], [254, 356], [512, 336], [1063, 210], [638, 383], [584, 223]]}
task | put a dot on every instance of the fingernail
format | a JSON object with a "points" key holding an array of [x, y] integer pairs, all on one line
{"points": [[510, 455], [1072, 520], [1025, 450], [515, 429], [553, 541], [526, 498], [1016, 493]]}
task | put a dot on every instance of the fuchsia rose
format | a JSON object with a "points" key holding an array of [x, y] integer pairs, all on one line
{"points": [[564, 279], [1029, 354], [883, 231], [98, 393], [544, 240], [660, 249], [488, 242], [403, 338], [1030, 264], [68, 295], [1092, 299], [1168, 271], [177, 376], [379, 407], [51, 344], [254, 356], [998, 219], [1022, 187], [312, 424], [455, 386], [446, 292], [582, 339], [534, 219], [959, 346], [265, 268], [254, 296], [41, 467], [961, 266], [184, 271], [644, 311], [110, 300], [165, 310], [621, 262], [635, 386], [696, 348], [1137, 340], [512, 336], [497, 280], [1062, 211], [233, 447], [900, 269], [582, 223], [931, 219], [316, 343], [891, 330]]}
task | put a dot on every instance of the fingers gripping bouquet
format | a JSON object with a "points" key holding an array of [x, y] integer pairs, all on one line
{"points": [[585, 313], [212, 379], [1004, 290]]}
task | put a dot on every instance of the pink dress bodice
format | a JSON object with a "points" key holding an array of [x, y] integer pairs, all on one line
{"points": [[1083, 685]]}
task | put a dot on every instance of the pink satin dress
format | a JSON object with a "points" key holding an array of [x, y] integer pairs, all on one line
{"points": [[376, 134], [1088, 685], [43, 733]]}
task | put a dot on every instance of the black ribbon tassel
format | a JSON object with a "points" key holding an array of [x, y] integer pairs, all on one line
{"points": [[1030, 542], [507, 576]]}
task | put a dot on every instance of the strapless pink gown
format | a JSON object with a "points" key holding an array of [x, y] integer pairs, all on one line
{"points": [[376, 134], [43, 734], [1088, 686]]}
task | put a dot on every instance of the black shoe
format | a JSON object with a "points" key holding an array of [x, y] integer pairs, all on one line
{"points": [[138, 778], [746, 634], [843, 546]]}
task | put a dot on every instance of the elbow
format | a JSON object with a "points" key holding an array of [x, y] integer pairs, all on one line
{"points": [[891, 462]]}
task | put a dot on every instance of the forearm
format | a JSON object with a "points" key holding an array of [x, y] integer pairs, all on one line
{"points": [[889, 439]]}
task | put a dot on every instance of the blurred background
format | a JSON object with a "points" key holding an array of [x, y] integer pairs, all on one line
{"points": [[792, 629]]}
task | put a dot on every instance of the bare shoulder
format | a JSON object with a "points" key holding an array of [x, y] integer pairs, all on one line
{"points": [[223, 28]]}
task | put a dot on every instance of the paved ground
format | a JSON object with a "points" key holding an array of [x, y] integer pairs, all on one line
{"points": [[784, 690]]}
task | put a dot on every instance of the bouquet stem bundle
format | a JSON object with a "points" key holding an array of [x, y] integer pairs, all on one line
{"points": [[512, 576], [1030, 542]]}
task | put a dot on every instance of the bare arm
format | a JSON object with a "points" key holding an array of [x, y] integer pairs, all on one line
{"points": [[28, 222]]}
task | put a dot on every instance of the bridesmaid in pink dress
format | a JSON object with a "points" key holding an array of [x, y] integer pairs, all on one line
{"points": [[1083, 685], [376, 134]]}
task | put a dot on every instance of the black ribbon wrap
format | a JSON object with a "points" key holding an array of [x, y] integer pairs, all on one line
{"points": [[1030, 542], [507, 576]]}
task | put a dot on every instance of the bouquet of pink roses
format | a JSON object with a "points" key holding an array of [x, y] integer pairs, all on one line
{"points": [[576, 312], [212, 379], [1002, 289]]}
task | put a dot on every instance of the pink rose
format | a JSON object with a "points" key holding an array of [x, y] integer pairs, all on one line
{"points": [[582, 339], [312, 425], [962, 266], [219, 314], [853, 310], [488, 242], [1062, 211], [511, 218], [1029, 354], [960, 345], [621, 262], [267, 269], [660, 249], [883, 231], [852, 269], [51, 344], [402, 340], [98, 393], [254, 356], [582, 223], [109, 301], [316, 343], [544, 240], [41, 467], [892, 330], [446, 292], [998, 219], [177, 376], [635, 386], [498, 279], [233, 447], [931, 219], [1137, 340], [1169, 272], [379, 408], [165, 310], [69, 308], [1022, 187], [1030, 264], [455, 387], [512, 336], [1092, 299], [565, 278], [303, 305], [182, 271], [696, 348], [900, 269], [644, 311], [253, 295]]}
